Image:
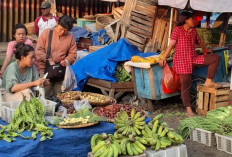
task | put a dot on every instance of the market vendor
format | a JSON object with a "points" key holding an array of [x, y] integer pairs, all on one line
{"points": [[183, 38], [20, 76]]}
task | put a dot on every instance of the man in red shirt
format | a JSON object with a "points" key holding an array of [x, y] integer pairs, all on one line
{"points": [[47, 20], [183, 38]]}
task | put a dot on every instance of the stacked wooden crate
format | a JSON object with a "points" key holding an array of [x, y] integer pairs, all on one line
{"points": [[140, 29], [210, 98]]}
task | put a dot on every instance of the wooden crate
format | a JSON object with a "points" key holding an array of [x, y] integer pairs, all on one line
{"points": [[210, 98]]}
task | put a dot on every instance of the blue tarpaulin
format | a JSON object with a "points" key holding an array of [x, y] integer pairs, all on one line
{"points": [[101, 64], [65, 142]]}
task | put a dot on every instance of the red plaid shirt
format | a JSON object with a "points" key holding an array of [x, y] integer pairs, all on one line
{"points": [[185, 54]]}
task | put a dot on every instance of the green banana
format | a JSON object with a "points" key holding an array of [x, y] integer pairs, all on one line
{"points": [[135, 152], [137, 115], [105, 154], [125, 130], [164, 132], [124, 114], [132, 113], [158, 117], [157, 147], [140, 145], [147, 129], [140, 119], [115, 150], [93, 140], [128, 148], [141, 140], [137, 131], [98, 146], [123, 145], [111, 152], [100, 151], [137, 148], [154, 128], [160, 130]]}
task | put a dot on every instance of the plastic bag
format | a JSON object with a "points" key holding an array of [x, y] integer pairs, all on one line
{"points": [[170, 80], [69, 82], [63, 112], [79, 105]]}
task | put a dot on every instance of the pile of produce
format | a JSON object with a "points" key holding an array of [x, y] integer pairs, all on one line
{"points": [[73, 95], [70, 107], [110, 111], [151, 60], [29, 115], [134, 135], [216, 121], [96, 99], [121, 74]]}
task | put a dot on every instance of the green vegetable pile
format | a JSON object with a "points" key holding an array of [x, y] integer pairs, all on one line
{"points": [[86, 112], [121, 74], [216, 121], [29, 115]]}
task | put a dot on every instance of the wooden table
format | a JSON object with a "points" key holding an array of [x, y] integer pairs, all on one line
{"points": [[112, 89]]}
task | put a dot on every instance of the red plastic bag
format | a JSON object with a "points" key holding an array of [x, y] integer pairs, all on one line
{"points": [[170, 80]]}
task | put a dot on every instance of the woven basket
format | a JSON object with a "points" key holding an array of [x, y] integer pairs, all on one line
{"points": [[107, 100], [103, 21]]}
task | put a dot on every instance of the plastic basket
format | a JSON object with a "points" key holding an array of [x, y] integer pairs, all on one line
{"points": [[176, 151], [203, 136], [8, 108], [224, 143]]}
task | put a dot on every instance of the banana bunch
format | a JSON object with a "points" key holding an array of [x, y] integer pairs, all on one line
{"points": [[105, 145], [133, 145], [159, 136], [129, 125]]}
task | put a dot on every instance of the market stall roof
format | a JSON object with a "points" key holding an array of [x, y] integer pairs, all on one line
{"points": [[202, 5]]}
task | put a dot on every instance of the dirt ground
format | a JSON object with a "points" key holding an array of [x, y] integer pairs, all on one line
{"points": [[173, 113]]}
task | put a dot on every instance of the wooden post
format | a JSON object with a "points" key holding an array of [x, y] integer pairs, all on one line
{"points": [[208, 20], [223, 34], [11, 23], [4, 21]]}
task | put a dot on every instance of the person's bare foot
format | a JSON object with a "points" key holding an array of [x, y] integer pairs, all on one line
{"points": [[189, 112], [211, 83]]}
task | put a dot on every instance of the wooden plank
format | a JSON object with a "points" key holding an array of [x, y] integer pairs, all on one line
{"points": [[4, 21], [222, 98], [222, 91], [22, 11], [165, 38], [140, 31], [27, 10], [201, 112], [135, 43], [134, 80], [33, 10], [141, 21], [141, 26], [202, 88], [129, 5], [152, 84], [142, 15], [222, 104], [146, 9], [161, 33], [206, 101], [37, 8], [212, 102], [135, 37], [10, 19], [150, 2], [99, 82], [200, 100], [121, 85]]}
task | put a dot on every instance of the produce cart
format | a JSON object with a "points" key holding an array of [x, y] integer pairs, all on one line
{"points": [[148, 81]]}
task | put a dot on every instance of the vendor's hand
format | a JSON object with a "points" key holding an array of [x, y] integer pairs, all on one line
{"points": [[46, 82], [162, 62], [63, 63], [40, 82]]}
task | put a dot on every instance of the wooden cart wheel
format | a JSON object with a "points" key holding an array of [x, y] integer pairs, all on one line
{"points": [[193, 90]]}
